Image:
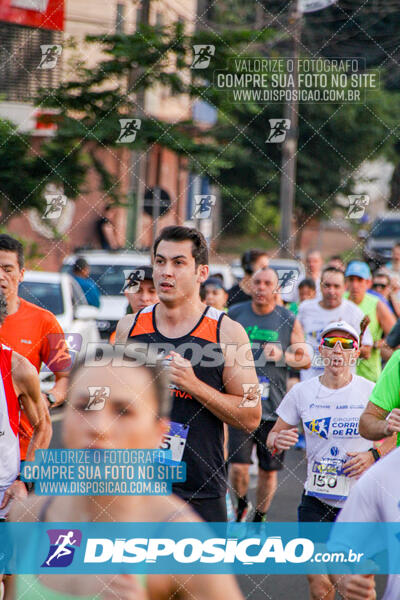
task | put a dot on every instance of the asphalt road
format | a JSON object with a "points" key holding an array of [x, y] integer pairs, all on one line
{"points": [[283, 508]]}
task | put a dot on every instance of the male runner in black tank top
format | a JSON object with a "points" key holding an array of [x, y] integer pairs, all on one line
{"points": [[208, 386]]}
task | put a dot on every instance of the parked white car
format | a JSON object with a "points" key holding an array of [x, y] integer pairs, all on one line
{"points": [[107, 270], [61, 295]]}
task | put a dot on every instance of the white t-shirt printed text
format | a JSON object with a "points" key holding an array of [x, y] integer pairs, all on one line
{"points": [[330, 418]]}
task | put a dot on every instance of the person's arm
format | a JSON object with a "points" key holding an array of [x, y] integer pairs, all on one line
{"points": [[55, 354], [365, 351], [375, 423], [109, 234], [391, 343], [27, 388], [385, 350], [239, 371], [367, 341], [59, 390], [355, 587], [299, 359], [282, 436], [386, 318]]}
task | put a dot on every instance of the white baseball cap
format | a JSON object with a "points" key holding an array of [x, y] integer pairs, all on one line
{"points": [[341, 326]]}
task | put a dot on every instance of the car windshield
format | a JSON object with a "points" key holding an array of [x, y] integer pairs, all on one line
{"points": [[386, 229], [109, 278], [44, 294]]}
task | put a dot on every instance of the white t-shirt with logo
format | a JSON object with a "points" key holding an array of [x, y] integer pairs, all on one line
{"points": [[330, 419], [376, 498], [314, 319]]}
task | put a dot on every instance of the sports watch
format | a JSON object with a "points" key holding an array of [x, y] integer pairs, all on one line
{"points": [[51, 398]]}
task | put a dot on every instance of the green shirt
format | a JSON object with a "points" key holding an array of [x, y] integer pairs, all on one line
{"points": [[371, 367], [386, 393]]}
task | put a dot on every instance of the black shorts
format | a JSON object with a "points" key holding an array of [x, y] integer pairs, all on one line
{"points": [[313, 510], [241, 444], [212, 510]]}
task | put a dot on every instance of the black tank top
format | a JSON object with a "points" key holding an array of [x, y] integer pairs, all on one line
{"points": [[203, 452]]}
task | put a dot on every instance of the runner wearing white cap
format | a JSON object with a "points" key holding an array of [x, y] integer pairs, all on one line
{"points": [[314, 315], [329, 406]]}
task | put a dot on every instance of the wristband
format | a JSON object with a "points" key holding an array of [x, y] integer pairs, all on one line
{"points": [[374, 453]]}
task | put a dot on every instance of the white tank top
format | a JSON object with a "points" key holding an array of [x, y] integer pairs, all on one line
{"points": [[9, 422]]}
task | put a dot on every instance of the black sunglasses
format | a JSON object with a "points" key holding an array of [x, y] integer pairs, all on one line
{"points": [[379, 285]]}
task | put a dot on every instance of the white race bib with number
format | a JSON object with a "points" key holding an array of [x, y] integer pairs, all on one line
{"points": [[327, 481], [175, 440]]}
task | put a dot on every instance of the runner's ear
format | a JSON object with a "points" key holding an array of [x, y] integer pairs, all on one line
{"points": [[203, 273]]}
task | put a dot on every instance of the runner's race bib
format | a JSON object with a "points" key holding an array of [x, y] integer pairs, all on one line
{"points": [[327, 481], [264, 383], [175, 440]]}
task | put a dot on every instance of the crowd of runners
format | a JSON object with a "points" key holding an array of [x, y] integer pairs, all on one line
{"points": [[222, 378]]}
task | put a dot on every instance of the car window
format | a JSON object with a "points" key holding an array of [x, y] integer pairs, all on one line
{"points": [[390, 229], [109, 278], [44, 294]]}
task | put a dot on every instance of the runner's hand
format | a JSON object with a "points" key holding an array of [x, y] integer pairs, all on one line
{"points": [[124, 587], [286, 439], [16, 490], [359, 463], [181, 373], [393, 421], [357, 587]]}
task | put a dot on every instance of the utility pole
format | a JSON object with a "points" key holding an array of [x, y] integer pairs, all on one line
{"points": [[138, 160], [289, 146]]}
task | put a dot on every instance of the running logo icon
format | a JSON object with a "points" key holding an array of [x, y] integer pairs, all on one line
{"points": [[319, 426], [62, 350], [357, 205], [50, 54], [132, 280], [97, 397], [203, 54], [129, 129], [279, 129], [251, 395], [55, 204], [287, 279], [203, 206], [63, 543]]}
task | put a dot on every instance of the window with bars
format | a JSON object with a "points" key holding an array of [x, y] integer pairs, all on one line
{"points": [[20, 58]]}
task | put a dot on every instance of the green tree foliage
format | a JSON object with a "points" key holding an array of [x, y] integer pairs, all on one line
{"points": [[26, 171], [334, 139]]}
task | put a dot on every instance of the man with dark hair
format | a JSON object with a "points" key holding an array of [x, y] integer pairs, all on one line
{"points": [[29, 330], [252, 260], [208, 386], [81, 274]]}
